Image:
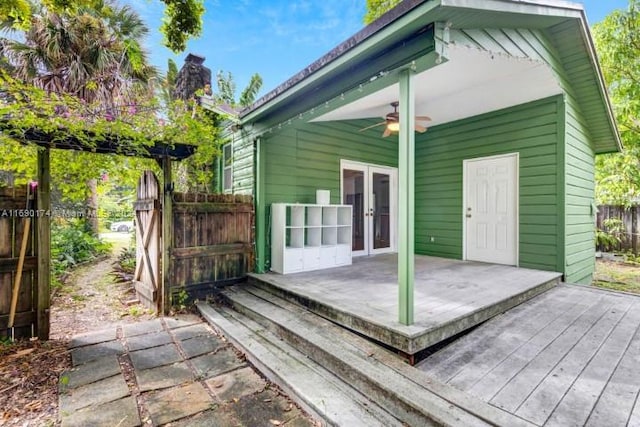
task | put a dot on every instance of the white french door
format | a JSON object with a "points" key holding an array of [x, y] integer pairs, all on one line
{"points": [[491, 209], [371, 190]]}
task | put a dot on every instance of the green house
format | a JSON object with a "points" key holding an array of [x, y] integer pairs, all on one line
{"points": [[462, 129]]}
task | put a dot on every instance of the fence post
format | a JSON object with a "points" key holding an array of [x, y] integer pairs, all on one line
{"points": [[44, 245], [167, 238]]}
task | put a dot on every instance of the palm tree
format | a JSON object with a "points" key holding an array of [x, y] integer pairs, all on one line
{"points": [[94, 53]]}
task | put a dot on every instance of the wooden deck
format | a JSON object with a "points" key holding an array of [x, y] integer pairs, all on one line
{"points": [[450, 296], [567, 357]]}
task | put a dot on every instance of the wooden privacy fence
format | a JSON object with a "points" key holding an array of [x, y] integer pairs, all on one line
{"points": [[629, 237], [13, 218], [212, 245]]}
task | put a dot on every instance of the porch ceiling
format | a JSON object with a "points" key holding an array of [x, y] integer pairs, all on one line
{"points": [[470, 83]]}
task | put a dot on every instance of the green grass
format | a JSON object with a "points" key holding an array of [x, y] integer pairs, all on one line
{"points": [[618, 276]]}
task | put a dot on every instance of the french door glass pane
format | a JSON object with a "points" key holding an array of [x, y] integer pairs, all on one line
{"points": [[381, 210], [353, 194]]}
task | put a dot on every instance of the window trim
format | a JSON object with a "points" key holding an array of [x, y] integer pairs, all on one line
{"points": [[227, 187]]}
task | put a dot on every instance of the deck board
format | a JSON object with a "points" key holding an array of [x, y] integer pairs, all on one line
{"points": [[508, 343], [493, 381], [616, 402], [577, 403], [567, 357], [449, 295]]}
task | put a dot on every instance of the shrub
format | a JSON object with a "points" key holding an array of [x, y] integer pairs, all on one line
{"points": [[72, 243]]}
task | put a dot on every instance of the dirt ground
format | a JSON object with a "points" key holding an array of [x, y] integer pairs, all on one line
{"points": [[617, 275], [89, 300]]}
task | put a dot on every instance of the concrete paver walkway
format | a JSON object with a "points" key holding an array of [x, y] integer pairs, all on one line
{"points": [[174, 371]]}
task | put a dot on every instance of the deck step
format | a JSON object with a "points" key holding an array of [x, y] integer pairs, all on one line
{"points": [[400, 389], [409, 342], [317, 390]]}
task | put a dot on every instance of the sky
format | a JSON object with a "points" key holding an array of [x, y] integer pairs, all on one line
{"points": [[277, 38]]}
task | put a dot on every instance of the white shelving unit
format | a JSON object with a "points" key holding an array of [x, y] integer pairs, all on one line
{"points": [[309, 237]]}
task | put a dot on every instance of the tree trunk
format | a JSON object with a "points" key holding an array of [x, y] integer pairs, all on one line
{"points": [[92, 206]]}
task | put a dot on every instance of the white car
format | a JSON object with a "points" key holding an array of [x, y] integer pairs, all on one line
{"points": [[122, 226]]}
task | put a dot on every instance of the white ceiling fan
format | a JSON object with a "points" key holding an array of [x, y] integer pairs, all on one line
{"points": [[392, 122]]}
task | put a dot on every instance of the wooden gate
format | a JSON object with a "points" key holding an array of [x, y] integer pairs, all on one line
{"points": [[147, 276], [212, 245], [13, 218]]}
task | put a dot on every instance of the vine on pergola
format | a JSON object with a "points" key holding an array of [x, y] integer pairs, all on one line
{"points": [[134, 127]]}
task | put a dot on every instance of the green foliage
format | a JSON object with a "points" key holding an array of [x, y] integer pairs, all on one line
{"points": [[377, 8], [127, 260], [93, 53], [182, 20], [617, 40], [248, 95], [611, 236], [87, 60], [15, 14], [168, 84], [181, 299], [25, 108], [227, 90], [72, 243]]}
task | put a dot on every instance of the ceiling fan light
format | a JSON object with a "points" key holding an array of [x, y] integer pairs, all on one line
{"points": [[393, 126]]}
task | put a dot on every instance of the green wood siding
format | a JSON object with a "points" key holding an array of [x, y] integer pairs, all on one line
{"points": [[243, 159], [530, 130], [300, 160], [576, 165], [552, 137], [580, 188]]}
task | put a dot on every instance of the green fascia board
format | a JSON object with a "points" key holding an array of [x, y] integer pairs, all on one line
{"points": [[372, 54], [614, 142], [333, 74]]}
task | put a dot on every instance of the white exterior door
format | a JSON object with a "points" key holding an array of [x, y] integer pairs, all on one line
{"points": [[491, 209], [371, 190]]}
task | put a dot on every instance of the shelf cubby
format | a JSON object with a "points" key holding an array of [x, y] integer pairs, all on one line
{"points": [[309, 236]]}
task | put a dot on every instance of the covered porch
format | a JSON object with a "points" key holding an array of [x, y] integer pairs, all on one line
{"points": [[450, 296]]}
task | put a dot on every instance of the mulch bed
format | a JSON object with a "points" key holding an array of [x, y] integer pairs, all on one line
{"points": [[29, 371]]}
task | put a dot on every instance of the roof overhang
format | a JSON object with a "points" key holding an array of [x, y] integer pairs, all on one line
{"points": [[449, 92], [446, 89]]}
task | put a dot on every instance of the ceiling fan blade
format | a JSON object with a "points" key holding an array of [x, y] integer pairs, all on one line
{"points": [[386, 132], [372, 126], [419, 128], [423, 118]]}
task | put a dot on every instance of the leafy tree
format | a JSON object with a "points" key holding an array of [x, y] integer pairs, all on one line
{"points": [[376, 8], [24, 108], [227, 90], [93, 53], [248, 95], [169, 83], [617, 40], [182, 18]]}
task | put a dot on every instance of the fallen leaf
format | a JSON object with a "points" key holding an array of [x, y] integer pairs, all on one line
{"points": [[21, 353], [267, 400], [288, 408], [276, 422]]}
